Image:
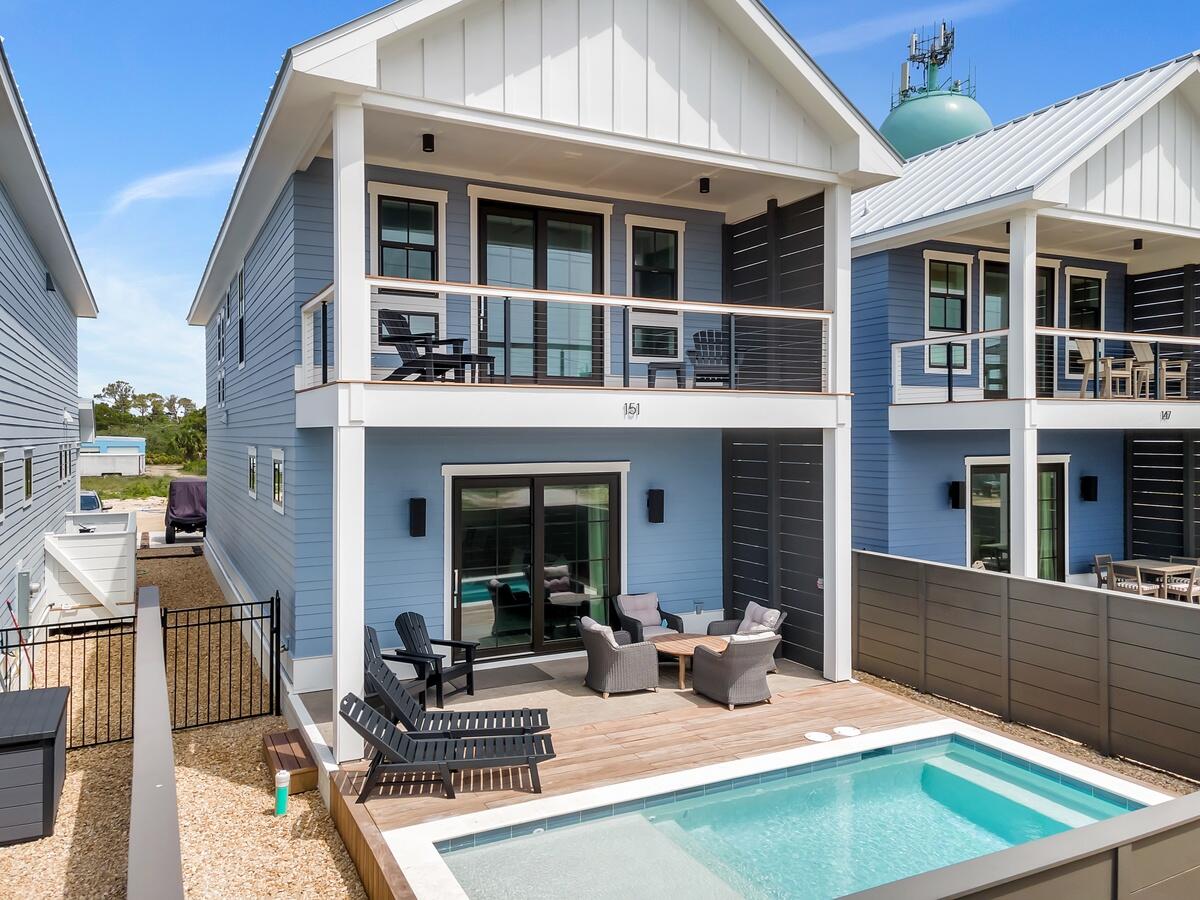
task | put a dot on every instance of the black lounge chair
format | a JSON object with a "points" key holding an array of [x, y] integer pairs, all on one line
{"points": [[709, 357], [401, 753], [418, 357], [453, 723], [430, 665], [372, 652]]}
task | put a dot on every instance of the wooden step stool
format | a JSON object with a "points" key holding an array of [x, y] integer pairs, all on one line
{"points": [[286, 750]]}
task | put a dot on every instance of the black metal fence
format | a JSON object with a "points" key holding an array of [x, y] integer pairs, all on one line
{"points": [[222, 662], [94, 660]]}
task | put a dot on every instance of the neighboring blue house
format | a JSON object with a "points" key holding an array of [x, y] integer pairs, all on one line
{"points": [[112, 455], [1020, 261], [43, 291], [469, 323]]}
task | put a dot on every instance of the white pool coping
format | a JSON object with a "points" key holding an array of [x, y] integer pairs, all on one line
{"points": [[428, 875]]}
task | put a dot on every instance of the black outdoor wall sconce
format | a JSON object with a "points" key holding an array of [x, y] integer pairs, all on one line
{"points": [[416, 517], [1089, 488], [656, 505], [957, 492]]}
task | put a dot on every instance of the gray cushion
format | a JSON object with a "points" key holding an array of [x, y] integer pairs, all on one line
{"points": [[758, 619], [751, 638], [643, 607], [587, 623]]}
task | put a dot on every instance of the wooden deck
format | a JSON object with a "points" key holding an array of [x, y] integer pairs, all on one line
{"points": [[599, 753]]}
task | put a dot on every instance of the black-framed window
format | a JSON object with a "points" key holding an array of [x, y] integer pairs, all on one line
{"points": [[946, 308], [1085, 311], [408, 238], [655, 263]]}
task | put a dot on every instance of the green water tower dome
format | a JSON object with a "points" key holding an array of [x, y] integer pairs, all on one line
{"points": [[938, 112]]}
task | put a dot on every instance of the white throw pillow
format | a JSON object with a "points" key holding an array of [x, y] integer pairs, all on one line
{"points": [[751, 638], [587, 623]]}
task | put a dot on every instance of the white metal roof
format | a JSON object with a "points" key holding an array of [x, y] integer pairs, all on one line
{"points": [[1017, 160], [25, 179]]}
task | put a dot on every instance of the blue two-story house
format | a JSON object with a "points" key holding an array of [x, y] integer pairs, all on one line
{"points": [[1025, 336], [522, 305], [43, 291]]}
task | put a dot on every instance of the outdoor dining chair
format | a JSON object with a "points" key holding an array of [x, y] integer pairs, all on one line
{"points": [[1187, 588], [1103, 566], [1128, 578], [400, 753]]}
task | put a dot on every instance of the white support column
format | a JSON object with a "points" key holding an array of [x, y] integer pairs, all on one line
{"points": [[352, 299], [349, 575], [1022, 383], [1022, 501], [836, 449], [352, 356], [1022, 304]]}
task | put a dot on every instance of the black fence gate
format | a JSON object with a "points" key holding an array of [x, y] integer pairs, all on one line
{"points": [[94, 660], [222, 662]]}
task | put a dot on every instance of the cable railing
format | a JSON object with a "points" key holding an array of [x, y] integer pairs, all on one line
{"points": [[1069, 363], [434, 332]]}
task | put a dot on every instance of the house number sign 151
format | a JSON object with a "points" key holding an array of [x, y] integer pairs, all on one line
{"points": [[633, 410]]}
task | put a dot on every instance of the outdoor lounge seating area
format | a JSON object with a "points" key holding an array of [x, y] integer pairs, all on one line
{"points": [[1176, 578]]}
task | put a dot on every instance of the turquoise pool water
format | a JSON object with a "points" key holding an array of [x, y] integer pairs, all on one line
{"points": [[819, 830]]}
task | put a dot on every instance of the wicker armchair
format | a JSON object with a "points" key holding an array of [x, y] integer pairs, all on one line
{"points": [[616, 666], [738, 675], [756, 620], [643, 617]]}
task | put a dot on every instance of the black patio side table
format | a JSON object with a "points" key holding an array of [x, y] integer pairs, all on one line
{"points": [[33, 761]]}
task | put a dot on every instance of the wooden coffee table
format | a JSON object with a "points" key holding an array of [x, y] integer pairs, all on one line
{"points": [[684, 647]]}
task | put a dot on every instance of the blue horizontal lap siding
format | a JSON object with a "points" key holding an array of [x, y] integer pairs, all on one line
{"points": [[260, 406], [681, 558], [870, 379], [38, 382]]}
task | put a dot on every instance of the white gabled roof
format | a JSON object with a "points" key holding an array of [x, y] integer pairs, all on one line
{"points": [[24, 176], [1030, 158]]}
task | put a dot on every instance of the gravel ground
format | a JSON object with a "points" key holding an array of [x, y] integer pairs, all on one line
{"points": [[232, 845], [1163, 781]]}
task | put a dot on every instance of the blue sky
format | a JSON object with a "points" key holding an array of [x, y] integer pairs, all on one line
{"points": [[143, 111]]}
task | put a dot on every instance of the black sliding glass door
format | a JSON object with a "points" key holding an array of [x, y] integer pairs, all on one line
{"points": [[530, 554], [546, 249]]}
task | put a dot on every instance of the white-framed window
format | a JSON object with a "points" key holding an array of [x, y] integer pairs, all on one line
{"points": [[654, 270], [64, 462], [277, 480], [947, 306], [27, 477], [241, 337], [1085, 289], [221, 388], [408, 239], [252, 472], [221, 336]]}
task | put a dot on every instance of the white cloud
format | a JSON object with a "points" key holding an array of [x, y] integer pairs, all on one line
{"points": [[871, 31], [187, 181]]}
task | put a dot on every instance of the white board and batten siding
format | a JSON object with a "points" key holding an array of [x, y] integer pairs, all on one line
{"points": [[666, 70], [1150, 171]]}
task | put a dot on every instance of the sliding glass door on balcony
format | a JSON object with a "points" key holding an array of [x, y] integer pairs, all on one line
{"points": [[529, 555], [554, 250]]}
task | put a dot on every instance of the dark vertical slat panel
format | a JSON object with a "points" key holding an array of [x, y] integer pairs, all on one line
{"points": [[1156, 463]]}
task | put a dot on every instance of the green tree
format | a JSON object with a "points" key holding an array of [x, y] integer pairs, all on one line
{"points": [[119, 394]]}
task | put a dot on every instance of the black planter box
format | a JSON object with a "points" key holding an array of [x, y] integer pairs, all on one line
{"points": [[33, 762]]}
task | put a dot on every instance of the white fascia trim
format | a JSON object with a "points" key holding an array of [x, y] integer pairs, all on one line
{"points": [[1102, 274], [544, 201], [999, 256], [653, 319], [1109, 221], [543, 468], [941, 226]]}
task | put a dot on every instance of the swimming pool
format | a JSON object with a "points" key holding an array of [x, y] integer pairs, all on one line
{"points": [[827, 824]]}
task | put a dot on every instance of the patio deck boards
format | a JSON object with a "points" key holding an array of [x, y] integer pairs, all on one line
{"points": [[616, 750]]}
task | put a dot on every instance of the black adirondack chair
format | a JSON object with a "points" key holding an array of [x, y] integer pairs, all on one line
{"points": [[396, 751], [372, 652], [419, 652], [405, 711], [418, 356], [709, 357]]}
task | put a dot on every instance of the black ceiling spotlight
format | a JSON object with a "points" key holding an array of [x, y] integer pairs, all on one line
{"points": [[1008, 227], [1137, 244], [49, 282], [705, 184], [427, 142]]}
